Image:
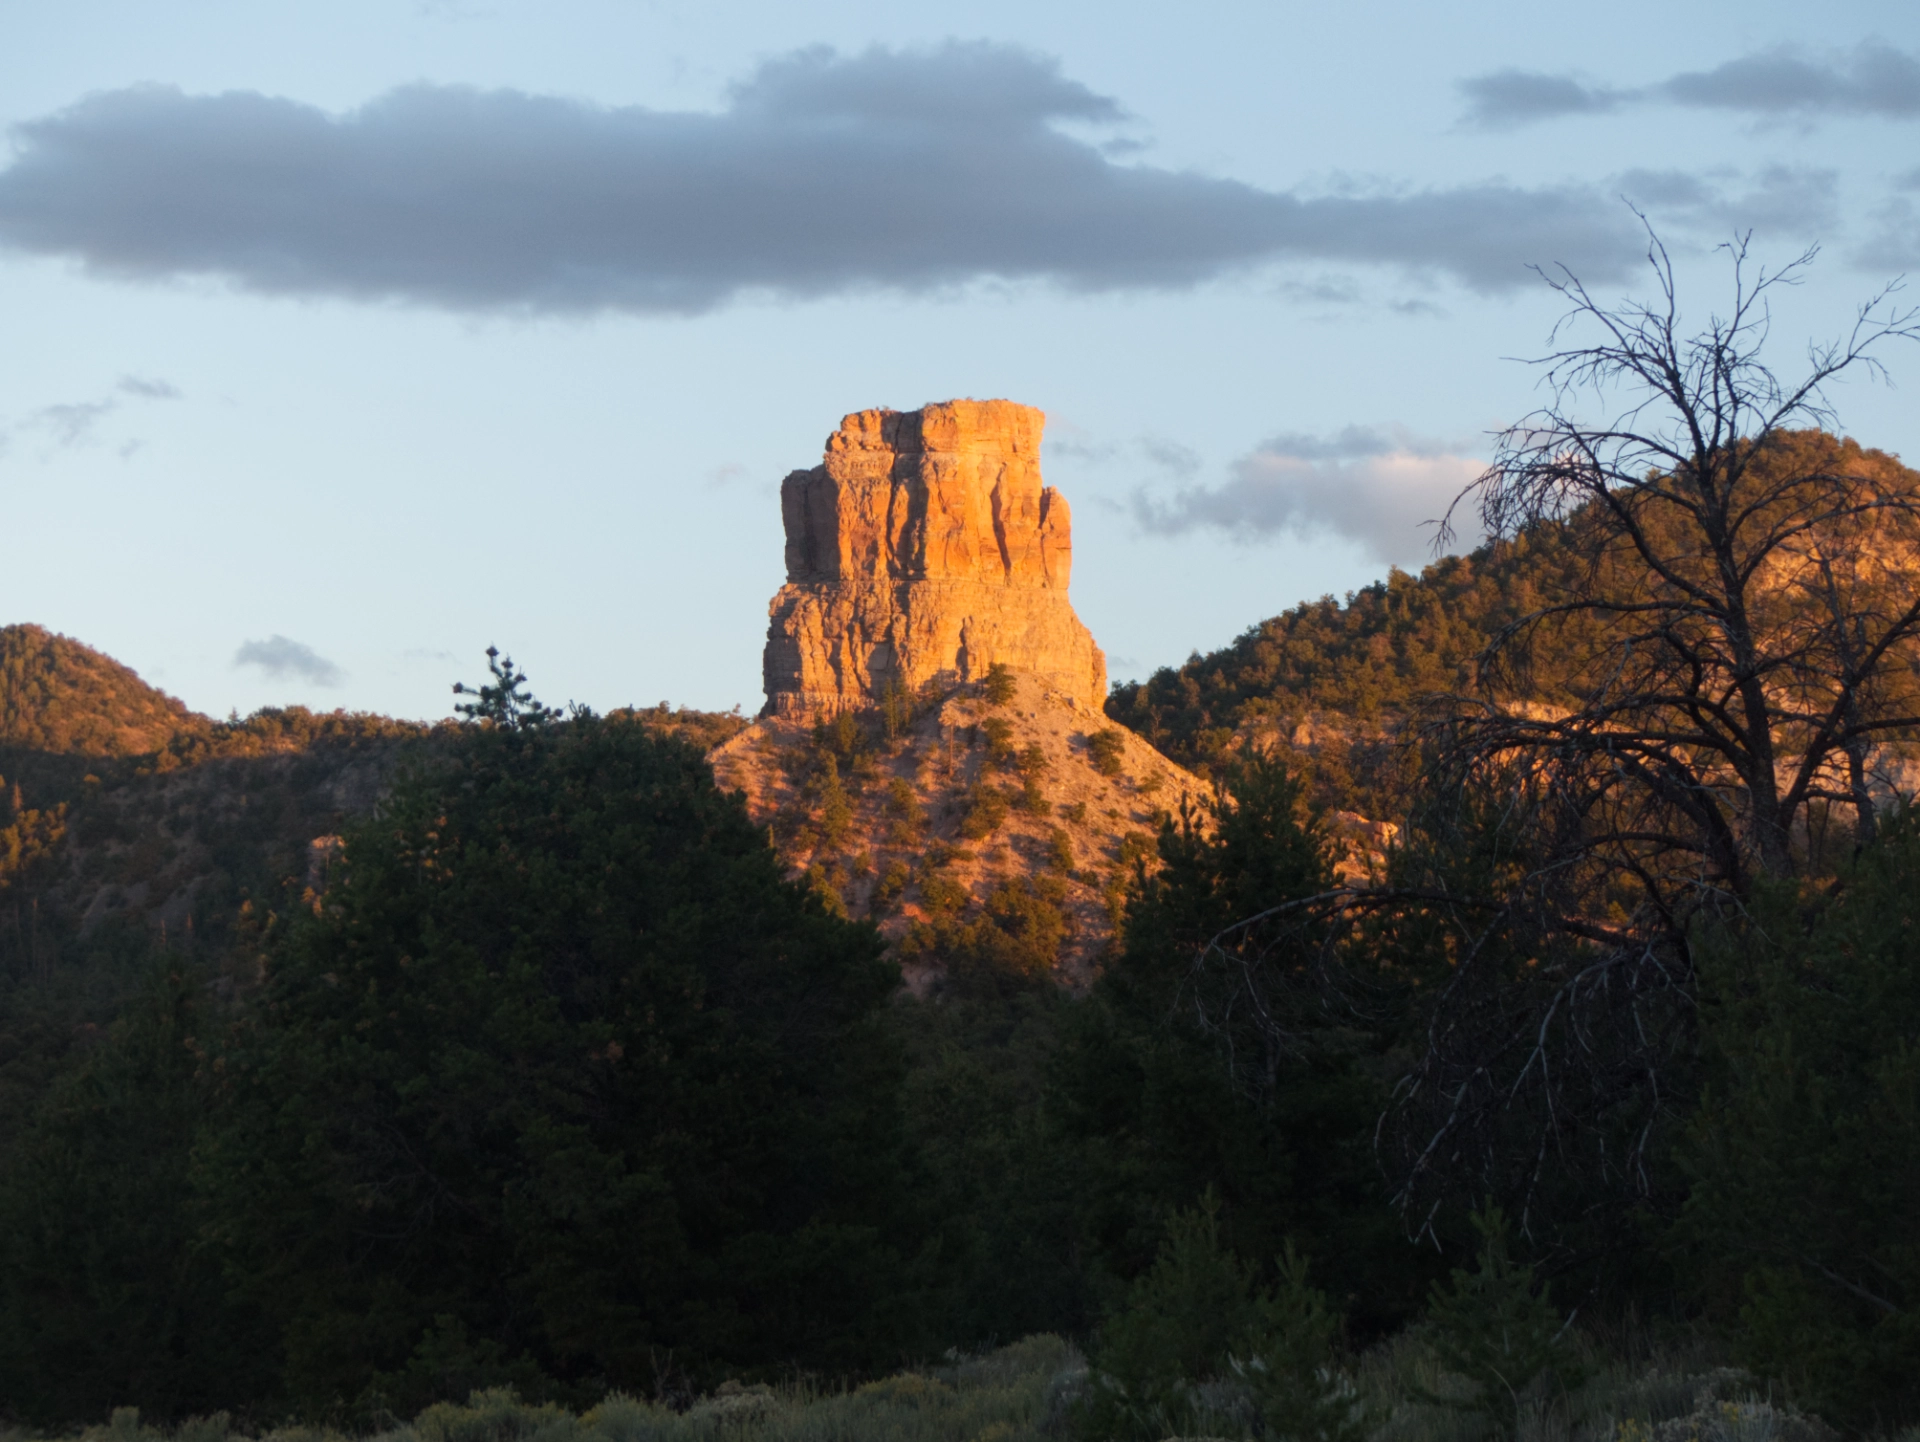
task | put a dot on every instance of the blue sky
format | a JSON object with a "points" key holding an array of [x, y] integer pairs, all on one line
{"points": [[347, 339]]}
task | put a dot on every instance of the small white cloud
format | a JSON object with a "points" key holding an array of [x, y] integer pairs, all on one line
{"points": [[72, 423], [1377, 485], [284, 658], [77, 423], [149, 388]]}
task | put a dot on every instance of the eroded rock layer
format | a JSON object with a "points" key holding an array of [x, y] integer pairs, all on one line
{"points": [[925, 547]]}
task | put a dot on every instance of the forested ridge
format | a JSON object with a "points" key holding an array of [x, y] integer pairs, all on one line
{"points": [[66, 699], [1345, 683], [1367, 660]]}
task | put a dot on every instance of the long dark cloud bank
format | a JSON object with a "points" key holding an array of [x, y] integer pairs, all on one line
{"points": [[1872, 79], [825, 174]]}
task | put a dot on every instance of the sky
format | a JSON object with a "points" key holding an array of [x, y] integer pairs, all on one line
{"points": [[345, 340]]}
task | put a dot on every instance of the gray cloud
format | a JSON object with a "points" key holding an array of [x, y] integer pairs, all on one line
{"points": [[148, 388], [1872, 78], [1781, 200], [72, 423], [825, 173], [77, 423], [1168, 456], [1334, 290], [283, 658], [1895, 241], [1507, 98], [1376, 485]]}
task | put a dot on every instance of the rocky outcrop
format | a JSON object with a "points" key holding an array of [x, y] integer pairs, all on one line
{"points": [[943, 811], [925, 548]]}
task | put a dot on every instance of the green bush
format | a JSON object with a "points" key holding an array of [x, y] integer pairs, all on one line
{"points": [[1496, 1330], [1030, 799], [986, 811], [908, 815], [1198, 1348], [888, 888], [998, 732], [1288, 1364], [107, 1294], [1106, 748], [833, 807], [1059, 850], [1168, 1105], [896, 708]]}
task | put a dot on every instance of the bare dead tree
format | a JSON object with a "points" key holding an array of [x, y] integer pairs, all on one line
{"points": [[1750, 599], [1739, 644]]}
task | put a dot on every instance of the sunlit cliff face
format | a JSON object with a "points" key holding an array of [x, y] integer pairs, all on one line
{"points": [[925, 546]]}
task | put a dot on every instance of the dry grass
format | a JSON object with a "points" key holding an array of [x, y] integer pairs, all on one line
{"points": [[1025, 1392], [1017, 1394]]}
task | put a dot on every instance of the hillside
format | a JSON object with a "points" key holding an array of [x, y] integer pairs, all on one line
{"points": [[992, 818], [117, 802], [1332, 680], [59, 696]]}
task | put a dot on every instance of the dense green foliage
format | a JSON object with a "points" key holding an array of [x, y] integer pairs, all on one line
{"points": [[1285, 1142], [104, 1296], [562, 1066], [583, 1019], [1199, 1347], [1495, 1330], [1805, 1152]]}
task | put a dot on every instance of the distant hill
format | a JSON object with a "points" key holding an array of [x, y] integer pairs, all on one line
{"points": [[61, 697], [1332, 679], [119, 804]]}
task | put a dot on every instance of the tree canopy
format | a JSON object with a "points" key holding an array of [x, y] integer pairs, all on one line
{"points": [[561, 1065]]}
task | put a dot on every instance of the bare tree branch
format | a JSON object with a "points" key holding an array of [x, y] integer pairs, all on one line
{"points": [[1668, 729]]}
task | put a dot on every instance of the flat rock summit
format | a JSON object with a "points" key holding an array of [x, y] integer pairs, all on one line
{"points": [[924, 547]]}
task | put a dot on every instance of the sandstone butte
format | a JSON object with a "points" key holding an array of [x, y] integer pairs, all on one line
{"points": [[923, 549], [921, 552]]}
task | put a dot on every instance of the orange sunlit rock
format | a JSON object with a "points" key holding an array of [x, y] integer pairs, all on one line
{"points": [[926, 547]]}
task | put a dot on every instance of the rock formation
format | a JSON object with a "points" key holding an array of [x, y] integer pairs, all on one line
{"points": [[925, 547], [942, 813]]}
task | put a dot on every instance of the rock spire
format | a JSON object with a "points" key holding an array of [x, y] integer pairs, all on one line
{"points": [[925, 546]]}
